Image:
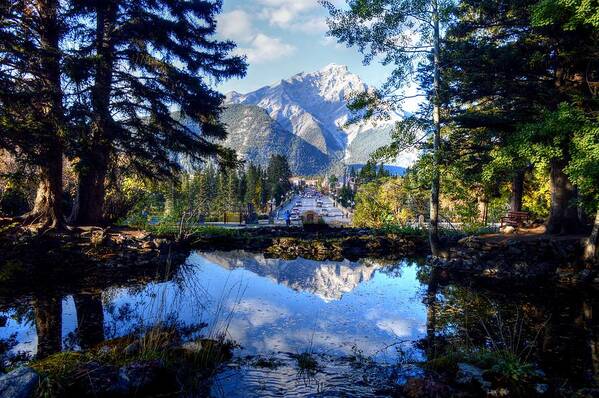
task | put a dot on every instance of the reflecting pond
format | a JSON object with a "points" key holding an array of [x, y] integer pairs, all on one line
{"points": [[376, 313]]}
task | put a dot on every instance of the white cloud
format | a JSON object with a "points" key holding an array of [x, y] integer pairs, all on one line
{"points": [[286, 13], [296, 5], [332, 42], [236, 25], [264, 48], [315, 25], [398, 327]]}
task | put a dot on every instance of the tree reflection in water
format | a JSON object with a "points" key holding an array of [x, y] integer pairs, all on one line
{"points": [[553, 329], [90, 318], [48, 324]]}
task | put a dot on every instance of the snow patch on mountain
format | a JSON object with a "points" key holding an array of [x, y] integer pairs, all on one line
{"points": [[313, 107]]}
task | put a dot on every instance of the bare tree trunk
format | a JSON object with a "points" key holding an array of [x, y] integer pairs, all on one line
{"points": [[48, 324], [434, 201], [563, 217], [517, 190], [590, 250], [89, 204]]}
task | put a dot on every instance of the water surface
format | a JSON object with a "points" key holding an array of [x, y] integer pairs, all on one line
{"points": [[359, 319]]}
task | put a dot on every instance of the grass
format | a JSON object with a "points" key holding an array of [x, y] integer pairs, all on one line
{"points": [[63, 370], [209, 230], [503, 352], [306, 362], [267, 363]]}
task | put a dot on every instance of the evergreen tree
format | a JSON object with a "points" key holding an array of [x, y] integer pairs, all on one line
{"points": [[232, 191], [242, 188], [510, 119], [367, 173], [254, 188], [138, 61], [32, 114], [278, 174], [220, 201], [402, 33]]}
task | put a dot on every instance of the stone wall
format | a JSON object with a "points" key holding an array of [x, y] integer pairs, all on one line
{"points": [[557, 259]]}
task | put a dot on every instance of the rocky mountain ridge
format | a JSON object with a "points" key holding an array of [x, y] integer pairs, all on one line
{"points": [[303, 117]]}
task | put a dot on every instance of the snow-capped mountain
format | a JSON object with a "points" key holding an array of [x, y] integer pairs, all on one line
{"points": [[312, 108], [329, 280]]}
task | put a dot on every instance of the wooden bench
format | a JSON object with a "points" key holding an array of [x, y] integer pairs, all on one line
{"points": [[515, 218]]}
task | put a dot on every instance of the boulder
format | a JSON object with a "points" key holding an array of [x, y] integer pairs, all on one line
{"points": [[417, 387], [147, 377], [470, 374], [541, 388], [508, 230], [20, 383], [96, 380]]}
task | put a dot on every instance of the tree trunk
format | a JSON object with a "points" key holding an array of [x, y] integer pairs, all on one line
{"points": [[485, 211], [434, 201], [430, 300], [48, 324], [90, 319], [590, 250], [88, 208], [47, 209], [563, 217], [517, 190]]}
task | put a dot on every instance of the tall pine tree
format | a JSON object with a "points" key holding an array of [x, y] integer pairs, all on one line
{"points": [[32, 115], [142, 60]]}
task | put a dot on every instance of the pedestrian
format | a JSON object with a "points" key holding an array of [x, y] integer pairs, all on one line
{"points": [[287, 218]]}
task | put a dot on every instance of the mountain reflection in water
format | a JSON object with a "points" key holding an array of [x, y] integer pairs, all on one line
{"points": [[265, 305], [276, 308]]}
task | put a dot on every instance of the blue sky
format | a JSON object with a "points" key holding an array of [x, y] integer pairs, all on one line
{"points": [[285, 37]]}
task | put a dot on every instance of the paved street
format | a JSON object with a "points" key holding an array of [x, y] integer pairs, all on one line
{"points": [[333, 214]]}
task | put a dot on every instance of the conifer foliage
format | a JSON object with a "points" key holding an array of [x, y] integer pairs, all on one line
{"points": [[94, 80], [32, 116]]}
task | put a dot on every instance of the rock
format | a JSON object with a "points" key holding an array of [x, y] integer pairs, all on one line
{"points": [[407, 372], [147, 377], [584, 275], [131, 349], [20, 383], [192, 346], [94, 379], [417, 387], [470, 374], [507, 230], [541, 388]]}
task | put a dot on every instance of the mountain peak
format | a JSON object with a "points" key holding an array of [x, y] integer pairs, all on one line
{"points": [[333, 67], [312, 109]]}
